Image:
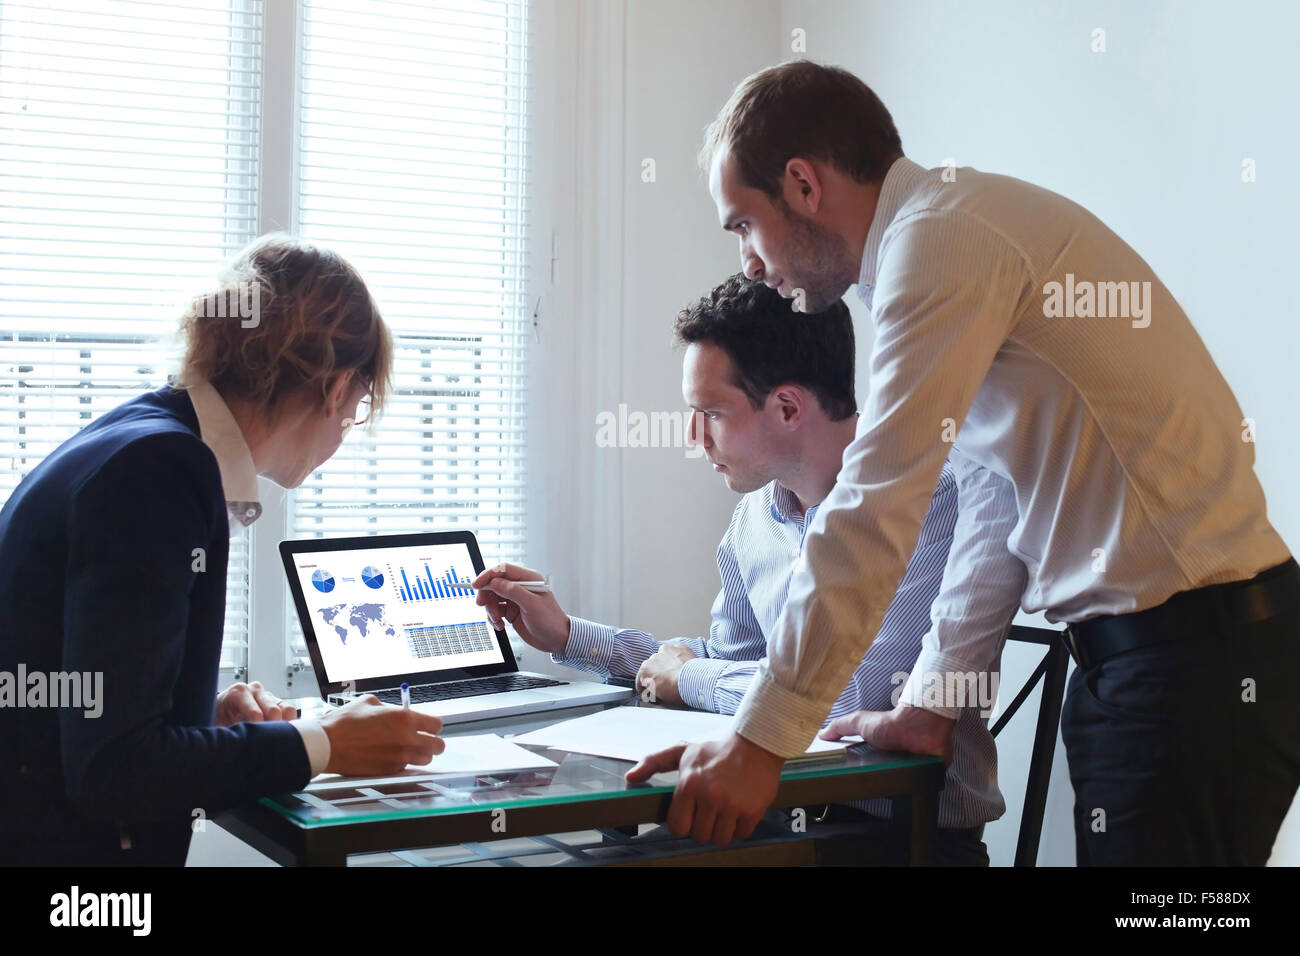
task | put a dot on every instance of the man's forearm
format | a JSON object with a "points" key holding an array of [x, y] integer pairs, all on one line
{"points": [[604, 650]]}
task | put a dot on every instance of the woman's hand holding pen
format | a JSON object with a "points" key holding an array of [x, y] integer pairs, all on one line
{"points": [[369, 738], [538, 618]]}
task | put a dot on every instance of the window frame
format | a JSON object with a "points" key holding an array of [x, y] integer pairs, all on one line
{"points": [[271, 607]]}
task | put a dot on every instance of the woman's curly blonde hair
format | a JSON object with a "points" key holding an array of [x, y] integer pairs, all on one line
{"points": [[286, 315]]}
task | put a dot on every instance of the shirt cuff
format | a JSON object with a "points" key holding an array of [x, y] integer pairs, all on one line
{"points": [[698, 679], [317, 743], [698, 646], [590, 647], [944, 685], [778, 720]]}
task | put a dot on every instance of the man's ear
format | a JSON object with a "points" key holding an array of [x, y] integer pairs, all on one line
{"points": [[803, 187], [792, 400]]}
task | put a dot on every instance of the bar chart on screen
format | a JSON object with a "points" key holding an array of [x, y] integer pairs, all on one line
{"points": [[421, 585]]}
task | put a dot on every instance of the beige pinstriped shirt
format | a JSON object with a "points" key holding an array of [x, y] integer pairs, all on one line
{"points": [[1013, 320]]}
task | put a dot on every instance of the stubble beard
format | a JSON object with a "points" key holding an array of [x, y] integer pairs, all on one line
{"points": [[822, 260]]}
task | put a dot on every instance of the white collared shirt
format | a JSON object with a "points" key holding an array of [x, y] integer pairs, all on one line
{"points": [[1013, 320], [223, 436]]}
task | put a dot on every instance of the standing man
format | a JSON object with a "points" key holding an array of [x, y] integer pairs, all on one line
{"points": [[1015, 331]]}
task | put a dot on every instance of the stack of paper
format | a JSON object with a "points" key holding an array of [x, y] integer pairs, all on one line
{"points": [[630, 733], [472, 753]]}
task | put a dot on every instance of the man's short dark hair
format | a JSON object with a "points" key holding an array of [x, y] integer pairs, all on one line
{"points": [[803, 109], [771, 344]]}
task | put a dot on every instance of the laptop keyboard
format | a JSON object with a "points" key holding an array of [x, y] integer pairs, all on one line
{"points": [[475, 687]]}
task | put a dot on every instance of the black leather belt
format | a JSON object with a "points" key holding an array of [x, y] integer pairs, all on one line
{"points": [[1267, 594]]}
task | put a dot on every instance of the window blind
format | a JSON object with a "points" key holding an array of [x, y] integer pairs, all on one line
{"points": [[129, 172], [412, 148]]}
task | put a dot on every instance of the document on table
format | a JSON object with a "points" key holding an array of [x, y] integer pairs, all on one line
{"points": [[629, 733], [473, 753]]}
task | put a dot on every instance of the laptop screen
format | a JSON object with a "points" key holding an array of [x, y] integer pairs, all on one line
{"points": [[383, 611]]}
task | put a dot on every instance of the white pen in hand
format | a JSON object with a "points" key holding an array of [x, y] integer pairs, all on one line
{"points": [[406, 695]]}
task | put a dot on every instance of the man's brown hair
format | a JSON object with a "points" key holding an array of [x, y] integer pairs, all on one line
{"points": [[808, 110]]}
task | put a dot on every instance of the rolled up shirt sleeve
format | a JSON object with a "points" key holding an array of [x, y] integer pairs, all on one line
{"points": [[947, 292]]}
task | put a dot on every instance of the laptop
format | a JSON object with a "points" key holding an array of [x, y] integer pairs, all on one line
{"points": [[383, 610]]}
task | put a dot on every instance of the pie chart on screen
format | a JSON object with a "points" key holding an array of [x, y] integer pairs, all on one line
{"points": [[372, 578], [322, 581]]}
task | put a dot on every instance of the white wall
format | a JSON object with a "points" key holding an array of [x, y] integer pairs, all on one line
{"points": [[1150, 135], [630, 533], [680, 70]]}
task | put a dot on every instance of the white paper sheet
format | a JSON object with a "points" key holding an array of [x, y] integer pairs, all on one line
{"points": [[473, 753], [629, 733]]}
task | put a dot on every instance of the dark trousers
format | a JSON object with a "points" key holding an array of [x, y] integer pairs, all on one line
{"points": [[868, 840], [1187, 752]]}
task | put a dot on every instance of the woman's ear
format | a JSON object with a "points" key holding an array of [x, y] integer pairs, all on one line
{"points": [[338, 393]]}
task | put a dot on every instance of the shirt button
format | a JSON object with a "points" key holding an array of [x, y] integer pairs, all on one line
{"points": [[794, 552], [251, 512], [700, 698]]}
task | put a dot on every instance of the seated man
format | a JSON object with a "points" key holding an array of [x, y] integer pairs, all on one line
{"points": [[773, 397]]}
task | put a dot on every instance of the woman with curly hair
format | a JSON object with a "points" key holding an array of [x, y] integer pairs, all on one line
{"points": [[113, 556]]}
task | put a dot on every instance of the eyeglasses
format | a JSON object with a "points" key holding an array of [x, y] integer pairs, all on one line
{"points": [[363, 406]]}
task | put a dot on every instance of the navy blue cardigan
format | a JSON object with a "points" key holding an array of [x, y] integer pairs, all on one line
{"points": [[100, 572]]}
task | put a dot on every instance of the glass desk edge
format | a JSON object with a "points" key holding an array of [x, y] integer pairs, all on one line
{"points": [[797, 771]]}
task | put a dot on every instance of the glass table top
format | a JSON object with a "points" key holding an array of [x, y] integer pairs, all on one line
{"points": [[577, 778]]}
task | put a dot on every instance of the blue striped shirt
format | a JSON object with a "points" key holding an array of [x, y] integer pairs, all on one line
{"points": [[756, 558]]}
